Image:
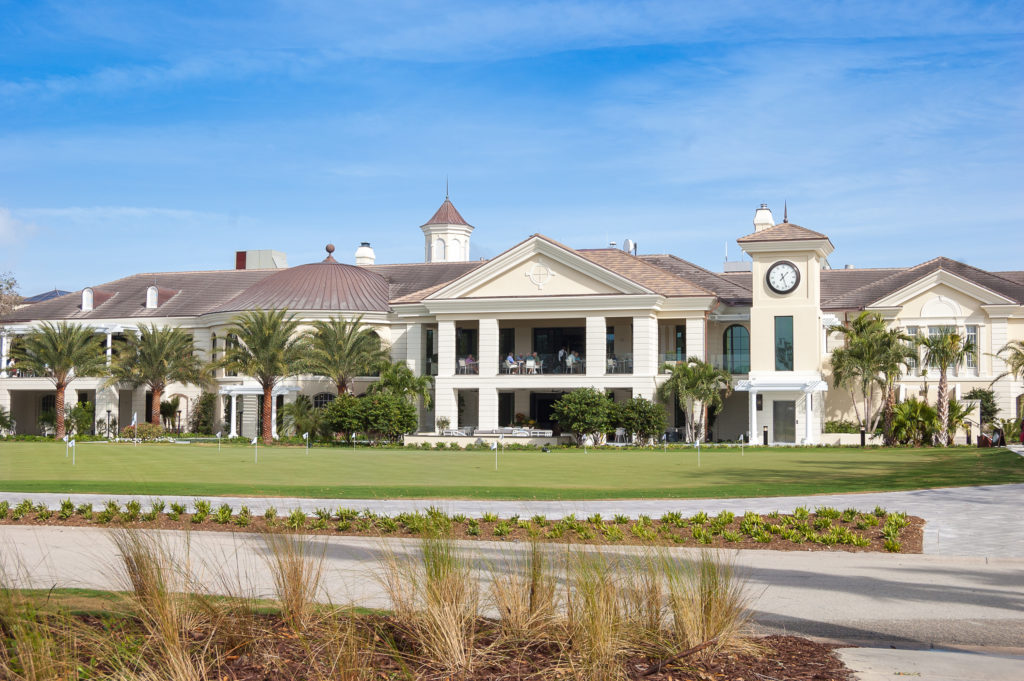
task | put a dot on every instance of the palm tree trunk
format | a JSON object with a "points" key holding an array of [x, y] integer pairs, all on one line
{"points": [[154, 408], [267, 405], [342, 386], [59, 406], [943, 397], [890, 405]]}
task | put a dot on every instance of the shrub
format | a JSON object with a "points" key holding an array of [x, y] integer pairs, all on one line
{"points": [[296, 519], [84, 510], [132, 511], [489, 517], [270, 515], [202, 511], [203, 414], [67, 509], [4, 507], [841, 426], [244, 517], [584, 412], [146, 431], [223, 515], [641, 418]]}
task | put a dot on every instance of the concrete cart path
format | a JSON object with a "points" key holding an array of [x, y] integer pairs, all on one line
{"points": [[859, 598], [961, 521], [876, 664]]}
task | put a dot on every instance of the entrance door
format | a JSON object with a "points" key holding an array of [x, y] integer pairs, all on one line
{"points": [[784, 421], [506, 409], [540, 408]]}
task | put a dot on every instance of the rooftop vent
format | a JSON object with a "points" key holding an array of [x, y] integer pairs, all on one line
{"points": [[848, 267]]}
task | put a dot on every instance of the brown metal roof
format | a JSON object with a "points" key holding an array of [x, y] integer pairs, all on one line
{"points": [[414, 281], [784, 231], [196, 293], [447, 215], [327, 285]]}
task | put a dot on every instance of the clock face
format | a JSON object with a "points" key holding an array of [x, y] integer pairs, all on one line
{"points": [[783, 277]]}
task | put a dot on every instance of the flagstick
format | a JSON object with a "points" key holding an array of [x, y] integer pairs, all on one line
{"points": [[698, 452], [73, 449], [256, 451]]}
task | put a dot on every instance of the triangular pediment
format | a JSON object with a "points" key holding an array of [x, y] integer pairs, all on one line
{"points": [[945, 285], [538, 267]]}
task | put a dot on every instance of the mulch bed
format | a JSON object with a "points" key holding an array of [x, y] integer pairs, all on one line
{"points": [[662, 533]]}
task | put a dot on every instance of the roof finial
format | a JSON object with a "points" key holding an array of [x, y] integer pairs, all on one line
{"points": [[785, 211], [446, 187]]}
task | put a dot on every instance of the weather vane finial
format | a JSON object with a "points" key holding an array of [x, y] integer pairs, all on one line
{"points": [[445, 187], [785, 211]]}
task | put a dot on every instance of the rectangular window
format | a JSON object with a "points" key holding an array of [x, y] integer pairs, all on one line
{"points": [[609, 345], [935, 332], [681, 342], [912, 331], [784, 343], [972, 357]]}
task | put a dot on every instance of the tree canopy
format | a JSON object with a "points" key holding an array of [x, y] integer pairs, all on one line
{"points": [[697, 386]]}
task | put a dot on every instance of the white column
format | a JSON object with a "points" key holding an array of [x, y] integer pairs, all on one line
{"points": [[488, 359], [753, 417], [446, 405], [234, 416], [110, 345], [808, 417], [273, 415], [445, 348], [695, 338], [645, 346], [3, 355], [487, 415], [597, 342], [414, 348], [1003, 387]]}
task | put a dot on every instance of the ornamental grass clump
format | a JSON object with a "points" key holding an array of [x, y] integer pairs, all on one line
{"points": [[296, 564], [435, 599], [595, 618], [524, 593]]}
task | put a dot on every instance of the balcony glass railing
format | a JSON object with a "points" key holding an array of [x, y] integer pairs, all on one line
{"points": [[734, 364]]}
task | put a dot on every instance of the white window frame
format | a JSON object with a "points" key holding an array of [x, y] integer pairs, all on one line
{"points": [[972, 332]]}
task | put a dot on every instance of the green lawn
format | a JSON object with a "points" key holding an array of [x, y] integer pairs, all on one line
{"points": [[334, 472]]}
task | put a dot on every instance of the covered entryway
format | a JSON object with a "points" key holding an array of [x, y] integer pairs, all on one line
{"points": [[784, 421]]}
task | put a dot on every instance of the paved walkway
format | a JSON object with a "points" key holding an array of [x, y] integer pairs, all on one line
{"points": [[961, 521], [875, 599]]}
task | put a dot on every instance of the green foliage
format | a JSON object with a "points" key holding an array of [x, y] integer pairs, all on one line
{"points": [[223, 515], [4, 508], [841, 426], [583, 412], [385, 416], [343, 415], [300, 416], [5, 420], [204, 414], [398, 379], [132, 511], [84, 510], [60, 352], [914, 422], [340, 350], [296, 519], [67, 509], [643, 419], [202, 510], [81, 417], [698, 387], [156, 357], [987, 397], [144, 431], [269, 348], [946, 350], [244, 517]]}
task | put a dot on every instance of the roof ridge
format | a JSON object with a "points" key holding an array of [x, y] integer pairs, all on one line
{"points": [[447, 214]]}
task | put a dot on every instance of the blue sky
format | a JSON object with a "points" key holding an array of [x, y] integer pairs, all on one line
{"points": [[161, 136]]}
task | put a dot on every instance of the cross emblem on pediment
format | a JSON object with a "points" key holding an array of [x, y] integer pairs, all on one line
{"points": [[539, 274]]}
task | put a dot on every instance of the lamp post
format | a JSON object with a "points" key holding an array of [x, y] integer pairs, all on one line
{"points": [[108, 424], [179, 422]]}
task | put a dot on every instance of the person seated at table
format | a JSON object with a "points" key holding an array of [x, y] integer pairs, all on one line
{"points": [[510, 362], [577, 361], [470, 364]]}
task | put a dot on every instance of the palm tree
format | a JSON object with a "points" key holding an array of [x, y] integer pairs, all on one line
{"points": [[1014, 351], [398, 378], [302, 417], [860, 363], [897, 352], [341, 350], [61, 352], [268, 350], [156, 357], [945, 350], [913, 422], [692, 383], [5, 420]]}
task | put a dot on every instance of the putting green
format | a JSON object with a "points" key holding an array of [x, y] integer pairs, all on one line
{"points": [[199, 469]]}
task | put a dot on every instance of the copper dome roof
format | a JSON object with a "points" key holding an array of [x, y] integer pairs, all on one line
{"points": [[326, 285]]}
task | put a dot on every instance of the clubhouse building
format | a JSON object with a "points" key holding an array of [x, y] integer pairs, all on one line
{"points": [[508, 336]]}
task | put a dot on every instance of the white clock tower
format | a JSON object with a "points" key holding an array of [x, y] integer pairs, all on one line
{"points": [[786, 337]]}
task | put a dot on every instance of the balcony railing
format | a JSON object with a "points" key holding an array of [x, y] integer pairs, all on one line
{"points": [[734, 364]]}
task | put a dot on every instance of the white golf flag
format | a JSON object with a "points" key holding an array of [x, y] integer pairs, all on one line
{"points": [[494, 445], [65, 438], [305, 436], [135, 418], [218, 434], [71, 444], [254, 440]]}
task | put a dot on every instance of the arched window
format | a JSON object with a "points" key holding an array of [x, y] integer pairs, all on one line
{"points": [[321, 400], [213, 347], [736, 349], [456, 250], [439, 250], [87, 298], [152, 297]]}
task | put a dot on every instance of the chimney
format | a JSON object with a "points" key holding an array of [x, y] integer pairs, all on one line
{"points": [[848, 267], [365, 255], [763, 218]]}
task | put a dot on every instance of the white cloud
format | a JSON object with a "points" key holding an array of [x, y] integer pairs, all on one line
{"points": [[12, 229]]}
